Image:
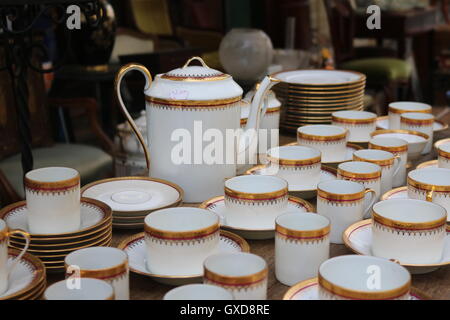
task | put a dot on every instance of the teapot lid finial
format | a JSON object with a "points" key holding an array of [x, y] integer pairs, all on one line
{"points": [[195, 73]]}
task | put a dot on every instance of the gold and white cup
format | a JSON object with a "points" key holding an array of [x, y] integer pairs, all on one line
{"points": [[81, 289], [5, 269], [244, 275], [251, 198], [398, 108], [343, 203], [198, 291], [330, 140], [360, 124], [430, 184], [178, 240], [104, 263], [443, 151], [398, 147], [420, 122], [296, 164], [366, 173], [53, 200], [357, 277], [302, 243], [389, 163], [410, 231]]}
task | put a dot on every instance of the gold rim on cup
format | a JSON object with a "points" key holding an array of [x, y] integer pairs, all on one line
{"points": [[342, 197], [401, 225], [381, 163], [312, 137], [256, 196], [353, 121], [426, 186], [416, 122], [106, 273], [400, 111], [438, 143], [359, 176], [302, 234], [246, 280], [398, 149]]}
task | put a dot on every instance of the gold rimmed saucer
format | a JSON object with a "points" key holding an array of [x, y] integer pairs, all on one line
{"points": [[428, 164], [383, 123], [134, 246]]}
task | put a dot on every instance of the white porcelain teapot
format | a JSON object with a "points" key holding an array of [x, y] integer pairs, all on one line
{"points": [[193, 126]]}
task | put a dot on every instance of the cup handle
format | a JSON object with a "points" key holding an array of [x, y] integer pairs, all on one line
{"points": [[397, 165], [429, 195], [371, 203], [26, 235]]}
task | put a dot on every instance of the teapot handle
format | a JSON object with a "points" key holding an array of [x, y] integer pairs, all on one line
{"points": [[148, 80]]}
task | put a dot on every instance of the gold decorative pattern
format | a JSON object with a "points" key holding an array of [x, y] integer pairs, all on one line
{"points": [[256, 196], [427, 187], [302, 235], [312, 137], [395, 150], [233, 281], [359, 176], [411, 132], [400, 111], [57, 187], [217, 103], [353, 121], [182, 235]]}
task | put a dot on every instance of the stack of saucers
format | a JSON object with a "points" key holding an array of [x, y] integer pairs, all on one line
{"points": [[95, 230], [133, 198], [27, 280], [311, 96]]}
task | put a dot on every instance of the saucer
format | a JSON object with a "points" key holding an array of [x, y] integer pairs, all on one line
{"points": [[134, 246], [309, 290], [428, 164], [397, 193], [383, 123], [217, 205], [327, 173], [351, 148], [26, 279], [358, 238]]}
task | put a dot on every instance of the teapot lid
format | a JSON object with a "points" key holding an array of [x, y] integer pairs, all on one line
{"points": [[195, 73]]}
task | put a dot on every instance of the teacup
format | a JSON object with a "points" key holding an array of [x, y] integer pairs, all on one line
{"points": [[302, 243], [420, 122], [198, 292], [431, 184], [177, 237], [366, 173], [360, 124], [397, 108], [104, 263], [443, 151], [410, 231], [6, 270], [330, 140], [342, 202], [85, 289], [397, 147], [296, 164], [355, 277], [389, 163], [244, 275], [53, 200], [253, 198]]}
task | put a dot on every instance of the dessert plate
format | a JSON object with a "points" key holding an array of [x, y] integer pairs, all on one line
{"points": [[308, 290], [134, 195], [25, 278], [428, 164], [397, 193], [217, 205], [358, 238], [383, 123], [303, 192], [319, 77], [135, 247]]}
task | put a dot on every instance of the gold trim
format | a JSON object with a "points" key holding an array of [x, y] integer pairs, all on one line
{"points": [[398, 149], [427, 187], [411, 132], [49, 186], [426, 164], [218, 103], [377, 217], [438, 143], [297, 162], [443, 153], [353, 121], [235, 280], [340, 197], [256, 196], [381, 163], [363, 295], [398, 111], [389, 194], [416, 122], [361, 77], [299, 286], [182, 235], [313, 137], [111, 272], [302, 234], [354, 175]]}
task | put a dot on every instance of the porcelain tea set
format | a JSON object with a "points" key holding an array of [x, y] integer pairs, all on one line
{"points": [[69, 229]]}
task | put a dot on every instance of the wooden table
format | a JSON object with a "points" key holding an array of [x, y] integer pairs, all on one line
{"points": [[436, 284]]}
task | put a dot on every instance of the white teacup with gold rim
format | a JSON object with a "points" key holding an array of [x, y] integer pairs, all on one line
{"points": [[330, 140], [443, 151], [397, 108], [360, 124], [342, 202], [53, 200], [253, 198], [89, 289], [5, 270], [420, 122], [104, 263], [410, 231], [356, 277], [397, 147], [177, 237], [431, 184], [302, 243], [198, 291], [389, 163], [366, 173], [244, 275], [296, 164]]}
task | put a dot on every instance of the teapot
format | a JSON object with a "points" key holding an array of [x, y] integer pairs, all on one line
{"points": [[193, 126]]}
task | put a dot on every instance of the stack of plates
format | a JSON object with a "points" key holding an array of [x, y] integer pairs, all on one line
{"points": [[95, 230], [133, 198], [27, 280], [311, 96]]}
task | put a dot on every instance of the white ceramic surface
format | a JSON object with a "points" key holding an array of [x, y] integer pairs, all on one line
{"points": [[360, 124], [86, 289], [416, 142], [421, 122], [319, 77], [397, 108], [198, 292]]}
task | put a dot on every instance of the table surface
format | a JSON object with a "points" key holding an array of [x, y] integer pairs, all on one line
{"points": [[435, 284]]}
